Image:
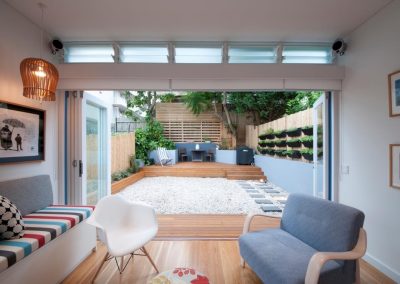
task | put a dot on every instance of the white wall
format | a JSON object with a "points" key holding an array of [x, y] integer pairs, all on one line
{"points": [[367, 131], [19, 39]]}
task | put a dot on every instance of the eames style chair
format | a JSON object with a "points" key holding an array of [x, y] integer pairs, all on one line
{"points": [[124, 227]]}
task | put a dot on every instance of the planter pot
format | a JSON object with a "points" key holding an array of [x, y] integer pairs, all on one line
{"points": [[263, 136], [271, 152], [308, 131], [295, 155], [262, 144], [270, 144], [308, 157], [264, 151], [172, 154], [294, 144], [294, 132], [225, 156], [308, 144], [270, 136], [280, 135], [280, 144], [280, 153]]}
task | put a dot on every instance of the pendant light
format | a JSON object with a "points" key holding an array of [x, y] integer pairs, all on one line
{"points": [[39, 77]]}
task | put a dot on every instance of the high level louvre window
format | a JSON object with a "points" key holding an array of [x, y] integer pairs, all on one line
{"points": [[252, 54], [307, 54], [198, 54], [89, 53], [144, 53]]}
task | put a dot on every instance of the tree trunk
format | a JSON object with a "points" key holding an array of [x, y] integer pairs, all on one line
{"points": [[228, 117]]}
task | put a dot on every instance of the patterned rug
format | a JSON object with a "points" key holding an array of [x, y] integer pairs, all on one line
{"points": [[180, 275]]}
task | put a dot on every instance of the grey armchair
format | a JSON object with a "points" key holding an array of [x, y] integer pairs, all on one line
{"points": [[318, 241]]}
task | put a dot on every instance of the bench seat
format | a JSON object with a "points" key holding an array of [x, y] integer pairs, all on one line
{"points": [[41, 227]]}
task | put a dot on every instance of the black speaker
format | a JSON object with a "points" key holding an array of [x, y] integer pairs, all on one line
{"points": [[339, 47], [56, 45]]}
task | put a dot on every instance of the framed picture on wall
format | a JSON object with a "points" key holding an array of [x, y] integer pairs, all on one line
{"points": [[21, 133], [394, 94], [394, 165]]}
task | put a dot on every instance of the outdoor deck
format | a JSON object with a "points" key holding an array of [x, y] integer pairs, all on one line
{"points": [[206, 169]]}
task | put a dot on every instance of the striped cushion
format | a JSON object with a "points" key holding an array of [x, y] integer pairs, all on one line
{"points": [[40, 228]]}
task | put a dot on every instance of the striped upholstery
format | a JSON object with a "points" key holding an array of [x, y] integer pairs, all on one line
{"points": [[40, 228]]}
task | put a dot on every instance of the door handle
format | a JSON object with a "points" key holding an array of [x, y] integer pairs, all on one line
{"points": [[80, 168]]}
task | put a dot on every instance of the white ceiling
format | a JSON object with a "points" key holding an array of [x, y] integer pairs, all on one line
{"points": [[201, 20]]}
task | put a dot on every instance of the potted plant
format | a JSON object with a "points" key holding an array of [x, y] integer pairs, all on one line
{"points": [[280, 153], [264, 151], [270, 143], [307, 154], [262, 143], [271, 151], [280, 133], [307, 141], [280, 142], [294, 154], [295, 142], [308, 130], [293, 132], [269, 134]]}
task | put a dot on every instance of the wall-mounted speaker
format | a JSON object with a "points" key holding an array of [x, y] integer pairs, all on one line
{"points": [[339, 47], [56, 46]]}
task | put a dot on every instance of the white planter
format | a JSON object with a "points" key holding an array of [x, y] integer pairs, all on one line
{"points": [[172, 154], [226, 156]]}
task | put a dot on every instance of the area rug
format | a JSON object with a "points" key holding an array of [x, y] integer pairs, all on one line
{"points": [[180, 275]]}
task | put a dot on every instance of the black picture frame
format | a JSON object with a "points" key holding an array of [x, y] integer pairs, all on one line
{"points": [[33, 122]]}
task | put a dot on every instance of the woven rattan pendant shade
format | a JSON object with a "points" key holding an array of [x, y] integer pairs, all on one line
{"points": [[39, 78]]}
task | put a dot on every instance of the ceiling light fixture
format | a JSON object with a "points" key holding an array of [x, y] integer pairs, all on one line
{"points": [[39, 77]]}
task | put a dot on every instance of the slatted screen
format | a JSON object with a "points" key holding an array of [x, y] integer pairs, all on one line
{"points": [[180, 125]]}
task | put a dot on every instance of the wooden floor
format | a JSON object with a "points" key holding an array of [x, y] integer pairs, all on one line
{"points": [[216, 257], [219, 260], [200, 226], [206, 169]]}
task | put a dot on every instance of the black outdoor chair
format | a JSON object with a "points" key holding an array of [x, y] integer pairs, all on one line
{"points": [[182, 155], [210, 155]]}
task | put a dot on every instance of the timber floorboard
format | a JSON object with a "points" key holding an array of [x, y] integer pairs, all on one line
{"points": [[207, 243]]}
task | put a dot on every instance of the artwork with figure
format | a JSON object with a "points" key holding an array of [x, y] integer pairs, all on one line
{"points": [[19, 133], [397, 92]]}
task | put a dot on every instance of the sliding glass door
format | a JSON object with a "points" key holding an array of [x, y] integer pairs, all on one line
{"points": [[89, 161]]}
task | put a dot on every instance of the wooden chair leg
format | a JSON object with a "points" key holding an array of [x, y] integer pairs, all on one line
{"points": [[101, 265], [148, 256]]}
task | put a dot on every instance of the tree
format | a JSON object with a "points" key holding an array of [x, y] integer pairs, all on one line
{"points": [[145, 102], [302, 101]]}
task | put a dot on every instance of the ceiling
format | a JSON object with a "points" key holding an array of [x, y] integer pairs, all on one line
{"points": [[200, 20]]}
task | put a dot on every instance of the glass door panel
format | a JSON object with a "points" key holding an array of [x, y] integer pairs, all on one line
{"points": [[321, 147]]}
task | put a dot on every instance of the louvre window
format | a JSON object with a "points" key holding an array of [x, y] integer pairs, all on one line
{"points": [[251, 54], [307, 54], [144, 53], [89, 53], [198, 54]]}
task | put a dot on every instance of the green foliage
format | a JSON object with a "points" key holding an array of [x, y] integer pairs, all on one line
{"points": [[307, 139], [168, 98], [294, 140], [150, 138], [302, 101], [269, 131], [120, 175], [198, 102], [224, 144]]}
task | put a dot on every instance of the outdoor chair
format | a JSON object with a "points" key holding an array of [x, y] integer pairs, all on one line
{"points": [[124, 227], [163, 156], [182, 154], [318, 241], [210, 155]]}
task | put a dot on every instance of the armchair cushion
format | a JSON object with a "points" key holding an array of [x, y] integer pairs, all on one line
{"points": [[278, 257], [322, 224]]}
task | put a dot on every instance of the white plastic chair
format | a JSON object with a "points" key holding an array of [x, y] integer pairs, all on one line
{"points": [[163, 156], [124, 227]]}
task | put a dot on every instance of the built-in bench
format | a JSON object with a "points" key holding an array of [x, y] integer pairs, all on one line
{"points": [[56, 237]]}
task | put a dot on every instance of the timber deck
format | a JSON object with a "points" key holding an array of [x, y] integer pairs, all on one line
{"points": [[206, 169]]}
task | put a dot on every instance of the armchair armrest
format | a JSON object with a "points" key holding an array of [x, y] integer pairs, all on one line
{"points": [[318, 260], [249, 219]]}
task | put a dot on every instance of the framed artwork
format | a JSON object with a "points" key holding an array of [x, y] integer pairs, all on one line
{"points": [[21, 133], [394, 93], [394, 165]]}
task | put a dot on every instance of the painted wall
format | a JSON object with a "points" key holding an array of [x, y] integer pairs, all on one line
{"points": [[292, 176], [21, 39], [366, 131]]}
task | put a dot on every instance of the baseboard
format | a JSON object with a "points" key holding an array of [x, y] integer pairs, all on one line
{"points": [[390, 272]]}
